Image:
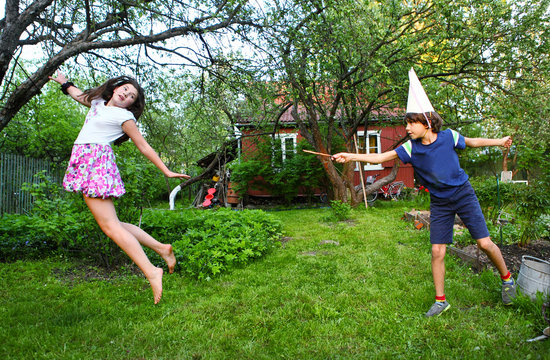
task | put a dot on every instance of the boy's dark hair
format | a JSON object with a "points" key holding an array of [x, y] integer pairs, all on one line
{"points": [[106, 90], [435, 120]]}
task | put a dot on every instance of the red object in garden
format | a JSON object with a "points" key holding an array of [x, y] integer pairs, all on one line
{"points": [[208, 198]]}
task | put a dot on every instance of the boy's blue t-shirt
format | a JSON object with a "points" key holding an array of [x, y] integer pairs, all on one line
{"points": [[436, 164]]}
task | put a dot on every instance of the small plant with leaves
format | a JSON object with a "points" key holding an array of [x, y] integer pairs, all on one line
{"points": [[340, 210]]}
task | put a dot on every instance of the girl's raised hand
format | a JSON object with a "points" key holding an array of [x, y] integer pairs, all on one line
{"points": [[172, 174], [59, 78]]}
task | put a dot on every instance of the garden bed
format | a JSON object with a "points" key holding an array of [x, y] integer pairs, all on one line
{"points": [[512, 254]]}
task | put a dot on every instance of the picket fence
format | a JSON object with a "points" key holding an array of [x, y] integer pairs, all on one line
{"points": [[15, 170]]}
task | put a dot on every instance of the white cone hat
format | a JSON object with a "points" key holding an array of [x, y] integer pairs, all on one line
{"points": [[418, 101]]}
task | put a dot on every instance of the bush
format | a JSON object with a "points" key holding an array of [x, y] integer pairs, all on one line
{"points": [[488, 194], [527, 204], [207, 243], [542, 226], [533, 202], [421, 198], [21, 238], [340, 210], [299, 173], [58, 221], [143, 181]]}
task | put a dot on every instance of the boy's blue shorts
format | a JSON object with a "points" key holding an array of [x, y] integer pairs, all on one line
{"points": [[442, 215]]}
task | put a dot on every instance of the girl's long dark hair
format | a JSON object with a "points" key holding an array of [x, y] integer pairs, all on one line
{"points": [[105, 92]]}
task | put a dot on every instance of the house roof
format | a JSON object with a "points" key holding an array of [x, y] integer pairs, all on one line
{"points": [[385, 114]]}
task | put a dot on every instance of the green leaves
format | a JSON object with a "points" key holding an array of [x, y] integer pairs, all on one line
{"points": [[211, 242], [528, 205], [340, 210], [206, 243], [285, 179]]}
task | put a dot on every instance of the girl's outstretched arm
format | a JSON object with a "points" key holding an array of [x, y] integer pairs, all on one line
{"points": [[479, 142], [73, 91], [143, 146]]}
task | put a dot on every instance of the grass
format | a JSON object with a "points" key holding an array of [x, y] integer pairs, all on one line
{"points": [[361, 298]]}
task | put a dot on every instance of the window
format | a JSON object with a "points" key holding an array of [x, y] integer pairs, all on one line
{"points": [[284, 147], [372, 147]]}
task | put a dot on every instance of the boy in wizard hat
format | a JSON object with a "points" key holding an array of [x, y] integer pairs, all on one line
{"points": [[432, 153]]}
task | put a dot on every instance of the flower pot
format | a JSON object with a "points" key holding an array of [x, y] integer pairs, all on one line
{"points": [[232, 196]]}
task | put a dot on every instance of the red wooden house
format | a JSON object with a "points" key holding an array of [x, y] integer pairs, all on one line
{"points": [[385, 131]]}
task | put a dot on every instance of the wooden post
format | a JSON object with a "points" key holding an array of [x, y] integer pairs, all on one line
{"points": [[360, 164]]}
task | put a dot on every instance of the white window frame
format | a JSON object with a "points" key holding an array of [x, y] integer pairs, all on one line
{"points": [[283, 137], [369, 166]]}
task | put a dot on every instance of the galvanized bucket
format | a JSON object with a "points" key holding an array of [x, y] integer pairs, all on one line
{"points": [[534, 276]]}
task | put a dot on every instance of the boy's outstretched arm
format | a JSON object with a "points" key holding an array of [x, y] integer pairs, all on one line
{"points": [[479, 142], [370, 158]]}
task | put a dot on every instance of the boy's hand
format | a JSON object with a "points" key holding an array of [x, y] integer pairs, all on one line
{"points": [[507, 141], [341, 157]]}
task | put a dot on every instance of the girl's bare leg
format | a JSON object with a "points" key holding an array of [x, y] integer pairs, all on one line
{"points": [[105, 215], [164, 250]]}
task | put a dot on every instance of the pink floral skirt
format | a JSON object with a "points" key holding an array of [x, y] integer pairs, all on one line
{"points": [[92, 171]]}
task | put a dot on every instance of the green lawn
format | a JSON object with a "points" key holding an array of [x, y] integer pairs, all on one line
{"points": [[362, 298]]}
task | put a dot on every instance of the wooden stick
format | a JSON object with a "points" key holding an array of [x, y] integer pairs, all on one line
{"points": [[316, 153], [360, 164]]}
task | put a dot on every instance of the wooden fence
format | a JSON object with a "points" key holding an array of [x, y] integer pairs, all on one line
{"points": [[15, 170]]}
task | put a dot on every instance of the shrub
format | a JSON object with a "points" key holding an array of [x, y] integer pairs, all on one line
{"points": [[340, 210], [533, 202], [266, 171], [21, 238], [528, 204], [144, 183], [207, 243], [542, 226], [421, 198], [58, 221], [489, 194]]}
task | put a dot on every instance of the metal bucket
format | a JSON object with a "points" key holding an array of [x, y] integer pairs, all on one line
{"points": [[534, 276]]}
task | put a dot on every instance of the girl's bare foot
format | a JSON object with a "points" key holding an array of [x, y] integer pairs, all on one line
{"points": [[156, 283], [168, 255]]}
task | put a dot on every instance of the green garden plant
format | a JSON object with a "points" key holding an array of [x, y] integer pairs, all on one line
{"points": [[340, 210], [525, 204], [299, 173], [533, 202], [207, 243], [57, 222]]}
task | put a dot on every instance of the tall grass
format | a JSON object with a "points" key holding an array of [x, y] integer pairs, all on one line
{"points": [[361, 295]]}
